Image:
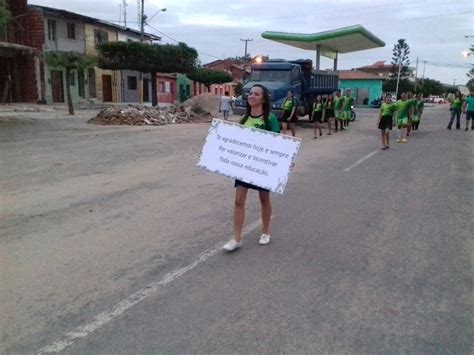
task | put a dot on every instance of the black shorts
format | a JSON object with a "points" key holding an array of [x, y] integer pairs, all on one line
{"points": [[386, 122], [330, 113], [469, 115], [318, 116], [248, 186], [286, 117]]}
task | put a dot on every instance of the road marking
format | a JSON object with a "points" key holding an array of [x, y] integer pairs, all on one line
{"points": [[360, 161], [139, 296]]}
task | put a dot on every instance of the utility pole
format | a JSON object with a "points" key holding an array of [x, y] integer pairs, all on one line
{"points": [[424, 66], [398, 76], [246, 40], [416, 74], [454, 82], [124, 9], [142, 24]]}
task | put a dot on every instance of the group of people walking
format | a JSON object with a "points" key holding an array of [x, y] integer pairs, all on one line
{"points": [[405, 114], [460, 105]]}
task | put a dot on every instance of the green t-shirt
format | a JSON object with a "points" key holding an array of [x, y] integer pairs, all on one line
{"points": [[456, 104], [347, 103], [418, 107], [318, 107], [258, 122], [338, 102], [402, 108], [470, 103], [387, 109], [288, 105]]}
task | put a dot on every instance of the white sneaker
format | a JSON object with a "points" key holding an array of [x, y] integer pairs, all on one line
{"points": [[231, 245], [264, 239]]}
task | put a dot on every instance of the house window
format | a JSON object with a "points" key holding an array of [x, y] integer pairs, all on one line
{"points": [[172, 88], [52, 30], [101, 36], [132, 82], [71, 31], [162, 86]]}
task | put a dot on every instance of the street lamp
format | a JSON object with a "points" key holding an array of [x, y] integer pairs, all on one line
{"points": [[466, 54], [156, 13]]}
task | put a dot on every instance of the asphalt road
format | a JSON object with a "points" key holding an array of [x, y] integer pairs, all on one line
{"points": [[110, 236]]}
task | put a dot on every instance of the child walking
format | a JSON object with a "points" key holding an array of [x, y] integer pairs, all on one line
{"points": [[385, 121], [346, 108], [317, 115], [329, 111], [402, 108]]}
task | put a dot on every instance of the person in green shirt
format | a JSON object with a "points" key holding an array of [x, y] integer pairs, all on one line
{"points": [[329, 111], [402, 108], [385, 121], [468, 109], [338, 110], [456, 109], [258, 115], [289, 110], [317, 115], [417, 112], [411, 103], [347, 107]]}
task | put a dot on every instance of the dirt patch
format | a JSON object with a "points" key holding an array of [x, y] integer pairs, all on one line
{"points": [[137, 115], [206, 102]]}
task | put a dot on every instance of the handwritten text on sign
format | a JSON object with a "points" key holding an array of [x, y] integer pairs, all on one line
{"points": [[252, 155]]}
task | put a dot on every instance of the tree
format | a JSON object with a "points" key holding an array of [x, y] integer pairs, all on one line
{"points": [[70, 61], [400, 61], [401, 50], [147, 58], [470, 84], [405, 85], [5, 18], [209, 77], [432, 87]]}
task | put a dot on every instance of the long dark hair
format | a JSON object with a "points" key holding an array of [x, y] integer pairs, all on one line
{"points": [[265, 106]]}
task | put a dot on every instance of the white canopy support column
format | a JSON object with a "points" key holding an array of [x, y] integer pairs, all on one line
{"points": [[318, 56], [335, 61]]}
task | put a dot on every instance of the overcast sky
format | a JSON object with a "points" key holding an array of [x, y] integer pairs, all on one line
{"points": [[435, 30]]}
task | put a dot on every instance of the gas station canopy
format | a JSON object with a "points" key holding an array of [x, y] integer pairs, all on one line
{"points": [[329, 43]]}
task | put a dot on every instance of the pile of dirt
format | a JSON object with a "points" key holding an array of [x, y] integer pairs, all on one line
{"points": [[205, 102], [137, 115]]}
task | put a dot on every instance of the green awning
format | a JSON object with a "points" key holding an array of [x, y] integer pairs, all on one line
{"points": [[343, 40]]}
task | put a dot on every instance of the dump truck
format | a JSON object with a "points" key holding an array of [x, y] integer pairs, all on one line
{"points": [[280, 76]]}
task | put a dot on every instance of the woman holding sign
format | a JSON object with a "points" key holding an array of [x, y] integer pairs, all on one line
{"points": [[259, 116]]}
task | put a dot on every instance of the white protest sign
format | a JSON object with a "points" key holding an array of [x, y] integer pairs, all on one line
{"points": [[256, 156]]}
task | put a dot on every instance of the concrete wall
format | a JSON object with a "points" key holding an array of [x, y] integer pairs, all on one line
{"points": [[374, 87], [74, 88], [62, 42], [129, 95]]}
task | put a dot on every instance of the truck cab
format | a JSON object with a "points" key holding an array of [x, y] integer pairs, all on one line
{"points": [[280, 76]]}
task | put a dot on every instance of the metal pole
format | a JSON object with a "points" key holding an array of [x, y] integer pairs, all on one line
{"points": [[398, 78], [335, 61]]}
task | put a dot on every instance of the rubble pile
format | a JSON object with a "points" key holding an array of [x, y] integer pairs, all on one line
{"points": [[207, 102], [137, 115]]}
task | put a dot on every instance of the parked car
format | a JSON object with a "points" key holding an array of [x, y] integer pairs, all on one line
{"points": [[436, 100]]}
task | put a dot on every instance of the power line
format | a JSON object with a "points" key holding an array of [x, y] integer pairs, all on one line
{"points": [[175, 40]]}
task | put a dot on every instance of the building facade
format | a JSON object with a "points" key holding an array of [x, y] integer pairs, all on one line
{"points": [[365, 87]]}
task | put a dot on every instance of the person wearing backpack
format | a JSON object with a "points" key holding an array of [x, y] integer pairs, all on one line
{"points": [[258, 115]]}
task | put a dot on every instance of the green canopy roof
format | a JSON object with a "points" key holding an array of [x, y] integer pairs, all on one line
{"points": [[343, 40]]}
